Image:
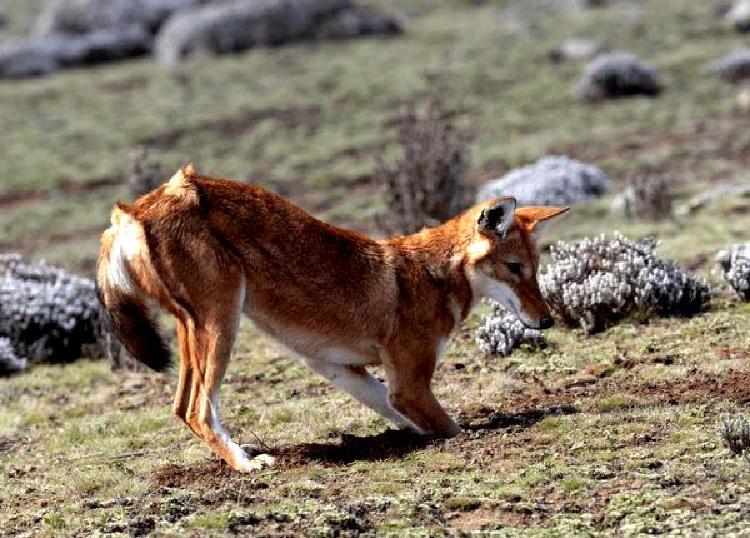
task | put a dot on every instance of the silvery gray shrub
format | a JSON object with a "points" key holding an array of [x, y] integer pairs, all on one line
{"points": [[734, 264], [599, 281], [502, 332], [50, 315]]}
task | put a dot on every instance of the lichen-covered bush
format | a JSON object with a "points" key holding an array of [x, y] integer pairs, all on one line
{"points": [[502, 332], [597, 282], [426, 186], [10, 363], [552, 180], [50, 315], [734, 264], [617, 74], [734, 431]]}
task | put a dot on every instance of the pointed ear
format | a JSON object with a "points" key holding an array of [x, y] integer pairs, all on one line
{"points": [[537, 218], [498, 217]]}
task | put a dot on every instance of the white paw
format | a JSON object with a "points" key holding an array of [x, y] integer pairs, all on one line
{"points": [[255, 464]]}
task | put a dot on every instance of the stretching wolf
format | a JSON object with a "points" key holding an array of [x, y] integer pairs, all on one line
{"points": [[208, 250]]}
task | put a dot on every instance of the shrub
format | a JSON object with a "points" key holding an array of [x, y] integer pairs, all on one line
{"points": [[502, 332], [426, 186], [50, 315], [597, 282], [142, 174], [617, 74], [647, 198], [734, 431], [552, 180], [734, 264]]}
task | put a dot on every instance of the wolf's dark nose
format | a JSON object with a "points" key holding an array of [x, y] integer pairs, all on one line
{"points": [[546, 322]]}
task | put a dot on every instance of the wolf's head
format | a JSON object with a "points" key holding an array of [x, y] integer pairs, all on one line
{"points": [[503, 258]]}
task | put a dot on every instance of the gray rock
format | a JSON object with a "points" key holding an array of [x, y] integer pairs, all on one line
{"points": [[733, 66], [617, 74], [551, 180], [243, 24], [79, 17], [36, 57], [738, 15], [28, 58]]}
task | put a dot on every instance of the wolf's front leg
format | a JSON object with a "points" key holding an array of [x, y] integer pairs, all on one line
{"points": [[409, 375]]}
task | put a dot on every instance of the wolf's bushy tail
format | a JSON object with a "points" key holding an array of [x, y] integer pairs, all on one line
{"points": [[125, 302]]}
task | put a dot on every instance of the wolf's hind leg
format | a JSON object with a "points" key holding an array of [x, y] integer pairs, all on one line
{"points": [[211, 345]]}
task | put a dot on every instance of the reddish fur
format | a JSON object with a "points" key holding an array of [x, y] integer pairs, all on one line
{"points": [[314, 286]]}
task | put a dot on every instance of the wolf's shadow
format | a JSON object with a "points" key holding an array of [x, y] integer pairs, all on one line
{"points": [[392, 444]]}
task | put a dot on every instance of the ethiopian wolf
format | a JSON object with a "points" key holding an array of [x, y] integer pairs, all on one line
{"points": [[208, 250]]}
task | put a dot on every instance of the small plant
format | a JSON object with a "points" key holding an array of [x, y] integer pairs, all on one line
{"points": [[143, 174], [502, 332], [647, 198], [734, 265], [734, 431], [426, 186]]}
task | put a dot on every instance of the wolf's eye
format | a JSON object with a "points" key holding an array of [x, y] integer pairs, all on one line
{"points": [[514, 268]]}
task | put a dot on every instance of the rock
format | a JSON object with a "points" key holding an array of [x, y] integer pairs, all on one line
{"points": [[551, 180], [105, 46], [576, 49], [28, 58], [35, 57], [243, 24], [733, 66], [617, 74], [79, 17], [357, 21], [738, 15]]}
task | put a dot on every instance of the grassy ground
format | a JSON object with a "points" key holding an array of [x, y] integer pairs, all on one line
{"points": [[613, 433]]}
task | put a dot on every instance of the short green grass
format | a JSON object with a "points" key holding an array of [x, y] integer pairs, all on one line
{"points": [[84, 450]]}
